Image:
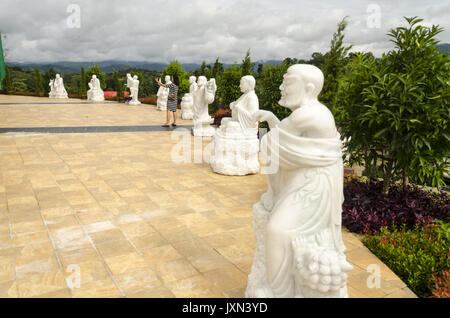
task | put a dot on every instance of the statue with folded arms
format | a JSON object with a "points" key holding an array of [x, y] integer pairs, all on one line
{"points": [[297, 223], [95, 92], [236, 144]]}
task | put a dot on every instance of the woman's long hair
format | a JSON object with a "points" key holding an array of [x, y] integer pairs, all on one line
{"points": [[176, 81]]}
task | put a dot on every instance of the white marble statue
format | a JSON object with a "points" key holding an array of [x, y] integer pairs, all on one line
{"points": [[187, 102], [95, 92], [133, 84], [203, 96], [163, 95], [236, 144], [297, 223], [57, 89]]}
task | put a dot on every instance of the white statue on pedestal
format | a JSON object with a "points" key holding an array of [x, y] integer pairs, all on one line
{"points": [[133, 84], [187, 102], [95, 92], [57, 89], [236, 143], [203, 96], [297, 223], [163, 95]]}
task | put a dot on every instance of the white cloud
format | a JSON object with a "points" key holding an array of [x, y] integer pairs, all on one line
{"points": [[192, 31]]}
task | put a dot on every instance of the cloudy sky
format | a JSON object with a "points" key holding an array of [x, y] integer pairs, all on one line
{"points": [[196, 30]]}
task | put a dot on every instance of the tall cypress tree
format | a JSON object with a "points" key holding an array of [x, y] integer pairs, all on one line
{"points": [[8, 86], [246, 66], [38, 81], [83, 89]]}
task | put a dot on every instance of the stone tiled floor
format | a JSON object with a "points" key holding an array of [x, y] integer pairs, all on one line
{"points": [[116, 207]]}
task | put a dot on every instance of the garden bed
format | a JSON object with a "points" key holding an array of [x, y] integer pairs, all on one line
{"points": [[407, 228]]}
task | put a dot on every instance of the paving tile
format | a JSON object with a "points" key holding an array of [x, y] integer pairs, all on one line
{"points": [[161, 254], [8, 289], [154, 292], [125, 263], [97, 289], [38, 284], [194, 287], [175, 270], [137, 281]]}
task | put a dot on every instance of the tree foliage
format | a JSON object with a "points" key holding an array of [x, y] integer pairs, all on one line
{"points": [[7, 82], [95, 70], [394, 112], [175, 68], [38, 81]]}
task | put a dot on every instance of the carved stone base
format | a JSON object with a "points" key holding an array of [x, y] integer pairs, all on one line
{"points": [[319, 271], [187, 114], [235, 153], [134, 103], [58, 96], [203, 128], [161, 107], [94, 97]]}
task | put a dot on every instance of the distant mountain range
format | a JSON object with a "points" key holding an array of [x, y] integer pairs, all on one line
{"points": [[109, 66]]}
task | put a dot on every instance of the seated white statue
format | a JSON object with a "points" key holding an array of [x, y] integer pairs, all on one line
{"points": [[163, 95], [133, 84], [95, 92], [203, 96], [297, 223], [236, 144], [57, 89], [187, 102]]}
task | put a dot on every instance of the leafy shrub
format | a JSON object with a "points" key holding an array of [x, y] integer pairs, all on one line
{"points": [[441, 284], [394, 111], [367, 208], [414, 255]]}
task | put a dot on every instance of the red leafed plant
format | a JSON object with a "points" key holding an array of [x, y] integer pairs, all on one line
{"points": [[441, 281]]}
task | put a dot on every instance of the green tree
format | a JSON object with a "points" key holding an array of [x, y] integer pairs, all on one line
{"points": [[317, 59], [217, 69], [83, 82], [95, 70], [228, 85], [49, 75], [176, 68], [7, 82], [246, 65], [118, 85], [268, 91], [333, 66], [394, 112], [38, 81]]}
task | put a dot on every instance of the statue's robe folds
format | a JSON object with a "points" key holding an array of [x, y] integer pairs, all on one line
{"points": [[304, 199]]}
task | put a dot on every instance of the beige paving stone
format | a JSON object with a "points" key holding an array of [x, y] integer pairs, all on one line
{"points": [[38, 284], [161, 254], [89, 271], [115, 248], [26, 267], [78, 256], [148, 241], [227, 278], [154, 292], [401, 293], [97, 289], [62, 293], [8, 289], [107, 235], [175, 270], [138, 281], [194, 287], [125, 263], [7, 272], [139, 228], [70, 238]]}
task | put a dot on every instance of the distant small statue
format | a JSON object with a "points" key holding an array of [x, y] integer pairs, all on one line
{"points": [[133, 84], [95, 92], [236, 144], [163, 95], [297, 223], [57, 89], [203, 96], [187, 102]]}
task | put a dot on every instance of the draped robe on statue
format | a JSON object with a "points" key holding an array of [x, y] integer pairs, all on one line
{"points": [[302, 209]]}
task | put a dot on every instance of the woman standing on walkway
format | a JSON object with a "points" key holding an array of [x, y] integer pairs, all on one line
{"points": [[172, 101]]}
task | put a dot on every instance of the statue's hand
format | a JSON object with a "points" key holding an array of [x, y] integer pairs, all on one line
{"points": [[263, 115]]}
